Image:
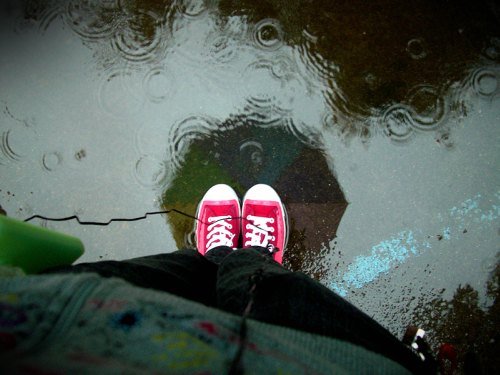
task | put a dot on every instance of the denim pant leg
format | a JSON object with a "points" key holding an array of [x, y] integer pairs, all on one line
{"points": [[185, 273], [294, 300]]}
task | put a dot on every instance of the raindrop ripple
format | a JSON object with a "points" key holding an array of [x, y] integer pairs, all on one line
{"points": [[485, 82], [185, 132], [137, 43], [91, 19], [51, 161], [396, 123], [428, 108], [268, 34], [6, 149], [149, 172], [158, 84]]}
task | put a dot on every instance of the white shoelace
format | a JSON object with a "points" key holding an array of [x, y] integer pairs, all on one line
{"points": [[219, 232], [259, 235]]}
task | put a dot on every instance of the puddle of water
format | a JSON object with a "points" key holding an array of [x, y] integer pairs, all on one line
{"points": [[372, 120], [241, 152]]}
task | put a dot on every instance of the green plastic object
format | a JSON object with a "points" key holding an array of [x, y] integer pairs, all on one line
{"points": [[33, 248]]}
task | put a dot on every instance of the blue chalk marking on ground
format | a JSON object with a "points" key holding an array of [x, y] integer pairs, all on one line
{"points": [[447, 233], [389, 253], [383, 256]]}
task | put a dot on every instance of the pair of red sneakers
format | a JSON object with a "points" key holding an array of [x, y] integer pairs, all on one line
{"points": [[261, 220]]}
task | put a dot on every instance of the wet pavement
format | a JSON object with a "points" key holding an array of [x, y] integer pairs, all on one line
{"points": [[377, 122]]}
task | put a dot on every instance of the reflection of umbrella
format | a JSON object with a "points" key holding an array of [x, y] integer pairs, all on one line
{"points": [[246, 155]]}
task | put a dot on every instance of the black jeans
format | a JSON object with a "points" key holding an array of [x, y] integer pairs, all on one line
{"points": [[224, 278]]}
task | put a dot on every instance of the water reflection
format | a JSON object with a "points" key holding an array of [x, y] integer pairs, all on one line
{"points": [[386, 68], [92, 20], [244, 92], [465, 323], [364, 41], [241, 153], [117, 30]]}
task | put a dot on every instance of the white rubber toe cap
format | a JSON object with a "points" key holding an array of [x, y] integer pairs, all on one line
{"points": [[262, 192], [220, 192]]}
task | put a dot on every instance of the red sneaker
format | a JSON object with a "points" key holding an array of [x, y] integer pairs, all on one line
{"points": [[218, 221], [264, 220]]}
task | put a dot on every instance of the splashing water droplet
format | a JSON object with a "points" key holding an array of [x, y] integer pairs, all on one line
{"points": [[268, 35], [485, 82], [51, 161], [416, 48], [396, 123], [429, 109]]}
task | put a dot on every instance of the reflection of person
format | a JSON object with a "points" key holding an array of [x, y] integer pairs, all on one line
{"points": [[219, 309]]}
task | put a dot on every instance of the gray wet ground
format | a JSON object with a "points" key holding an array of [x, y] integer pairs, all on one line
{"points": [[377, 123]]}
